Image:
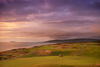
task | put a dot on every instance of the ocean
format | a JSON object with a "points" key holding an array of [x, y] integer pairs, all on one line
{"points": [[15, 45]]}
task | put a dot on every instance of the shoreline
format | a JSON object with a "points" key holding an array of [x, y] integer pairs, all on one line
{"points": [[26, 47]]}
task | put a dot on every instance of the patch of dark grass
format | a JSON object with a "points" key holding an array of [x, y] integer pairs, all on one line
{"points": [[67, 66], [29, 55], [53, 65], [56, 53]]}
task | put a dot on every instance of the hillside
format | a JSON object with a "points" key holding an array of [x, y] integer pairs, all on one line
{"points": [[73, 40], [85, 53]]}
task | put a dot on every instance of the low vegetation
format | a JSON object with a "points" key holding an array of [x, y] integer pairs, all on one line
{"points": [[75, 54]]}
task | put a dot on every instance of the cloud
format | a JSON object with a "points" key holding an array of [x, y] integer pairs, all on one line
{"points": [[55, 33], [57, 19], [20, 9]]}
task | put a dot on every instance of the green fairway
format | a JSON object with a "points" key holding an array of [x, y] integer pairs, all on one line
{"points": [[51, 60], [80, 54]]}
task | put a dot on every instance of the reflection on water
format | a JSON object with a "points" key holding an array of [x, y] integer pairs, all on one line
{"points": [[14, 45]]}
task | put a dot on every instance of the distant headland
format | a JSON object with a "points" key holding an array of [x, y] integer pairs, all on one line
{"points": [[13, 41]]}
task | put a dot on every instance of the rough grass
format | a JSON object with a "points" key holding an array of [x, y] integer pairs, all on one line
{"points": [[51, 60], [80, 50], [76, 55]]}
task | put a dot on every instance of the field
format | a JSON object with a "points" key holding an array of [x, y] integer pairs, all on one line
{"points": [[75, 54]]}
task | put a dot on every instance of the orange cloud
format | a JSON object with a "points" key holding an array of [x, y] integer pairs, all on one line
{"points": [[10, 25], [3, 37], [6, 25]]}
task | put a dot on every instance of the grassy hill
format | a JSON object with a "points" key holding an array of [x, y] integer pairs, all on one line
{"points": [[76, 54], [73, 40]]}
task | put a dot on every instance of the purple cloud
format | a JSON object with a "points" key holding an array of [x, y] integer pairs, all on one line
{"points": [[57, 19]]}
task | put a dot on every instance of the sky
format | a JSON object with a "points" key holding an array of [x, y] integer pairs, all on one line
{"points": [[43, 20]]}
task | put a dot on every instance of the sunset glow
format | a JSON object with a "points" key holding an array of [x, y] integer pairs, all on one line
{"points": [[8, 25], [42, 20]]}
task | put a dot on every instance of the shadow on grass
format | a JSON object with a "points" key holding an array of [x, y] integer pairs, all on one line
{"points": [[51, 66]]}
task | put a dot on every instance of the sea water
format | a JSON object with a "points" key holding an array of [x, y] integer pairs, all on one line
{"points": [[14, 45]]}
